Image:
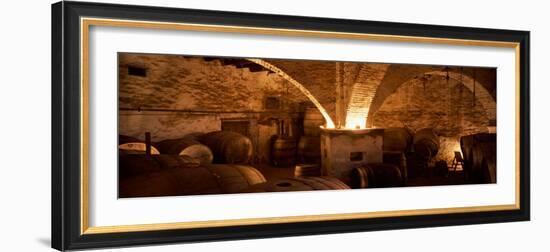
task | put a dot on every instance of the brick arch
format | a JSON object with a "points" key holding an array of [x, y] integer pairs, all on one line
{"points": [[284, 75], [363, 91], [482, 94]]}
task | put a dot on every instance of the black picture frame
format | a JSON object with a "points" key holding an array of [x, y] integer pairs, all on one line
{"points": [[66, 124]]}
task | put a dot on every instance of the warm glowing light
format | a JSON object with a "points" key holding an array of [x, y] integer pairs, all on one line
{"points": [[457, 148], [356, 120], [455, 145], [328, 120]]}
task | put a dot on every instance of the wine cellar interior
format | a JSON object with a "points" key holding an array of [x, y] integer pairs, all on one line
{"points": [[191, 125]]}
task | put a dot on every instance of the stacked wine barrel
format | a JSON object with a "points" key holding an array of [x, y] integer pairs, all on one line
{"points": [[307, 170], [396, 144], [313, 120], [397, 140], [426, 143], [283, 151], [376, 175], [171, 181], [425, 146], [188, 147], [130, 165], [309, 149], [479, 154], [131, 145], [228, 147], [138, 164], [417, 165], [398, 159], [299, 184], [309, 145]]}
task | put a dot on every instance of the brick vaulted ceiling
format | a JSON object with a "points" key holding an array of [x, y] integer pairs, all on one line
{"points": [[368, 85], [365, 86]]}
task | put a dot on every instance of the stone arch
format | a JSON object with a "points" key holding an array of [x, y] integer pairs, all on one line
{"points": [[481, 93], [280, 72]]}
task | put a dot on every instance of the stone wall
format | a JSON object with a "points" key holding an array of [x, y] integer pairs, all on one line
{"points": [[188, 89], [431, 102]]}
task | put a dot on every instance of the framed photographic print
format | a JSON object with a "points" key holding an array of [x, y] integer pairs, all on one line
{"points": [[178, 125]]}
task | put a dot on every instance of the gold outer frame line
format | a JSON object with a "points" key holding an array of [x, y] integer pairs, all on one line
{"points": [[84, 127], [85, 24], [289, 219]]}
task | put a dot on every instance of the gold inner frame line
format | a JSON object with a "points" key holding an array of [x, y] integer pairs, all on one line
{"points": [[85, 24]]}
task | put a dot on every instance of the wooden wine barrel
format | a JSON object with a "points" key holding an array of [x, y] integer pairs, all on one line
{"points": [[176, 161], [299, 184], [136, 164], [228, 147], [307, 170], [489, 166], [313, 119], [361, 178], [211, 179], [399, 159], [484, 161], [131, 145], [426, 143], [283, 151], [467, 145], [416, 165], [397, 139], [186, 147], [194, 136], [309, 149], [235, 178], [376, 175], [130, 165]]}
